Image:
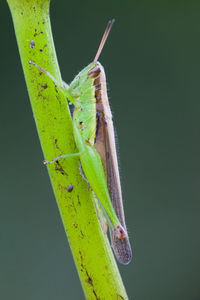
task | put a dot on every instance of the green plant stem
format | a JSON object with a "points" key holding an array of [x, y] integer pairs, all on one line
{"points": [[93, 257]]}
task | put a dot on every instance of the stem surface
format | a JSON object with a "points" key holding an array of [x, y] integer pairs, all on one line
{"points": [[93, 257]]}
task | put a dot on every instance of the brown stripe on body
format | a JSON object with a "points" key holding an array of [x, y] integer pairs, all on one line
{"points": [[100, 120], [105, 146]]}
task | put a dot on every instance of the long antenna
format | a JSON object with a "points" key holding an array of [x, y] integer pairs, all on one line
{"points": [[104, 38]]}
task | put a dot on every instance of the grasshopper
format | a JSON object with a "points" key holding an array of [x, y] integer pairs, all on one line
{"points": [[94, 137]]}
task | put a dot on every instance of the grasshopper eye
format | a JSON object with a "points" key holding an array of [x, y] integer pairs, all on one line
{"points": [[94, 72]]}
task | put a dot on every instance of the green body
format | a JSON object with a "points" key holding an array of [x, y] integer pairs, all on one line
{"points": [[82, 90]]}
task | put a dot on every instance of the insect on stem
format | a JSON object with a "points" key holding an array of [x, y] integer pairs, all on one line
{"points": [[104, 38], [92, 112]]}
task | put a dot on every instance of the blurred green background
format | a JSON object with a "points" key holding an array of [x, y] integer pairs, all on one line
{"points": [[152, 62]]}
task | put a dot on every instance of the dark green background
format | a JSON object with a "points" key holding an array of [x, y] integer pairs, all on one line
{"points": [[152, 62]]}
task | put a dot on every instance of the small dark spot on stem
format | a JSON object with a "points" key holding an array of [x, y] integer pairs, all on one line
{"points": [[59, 168], [119, 296], [32, 44], [80, 254], [70, 188], [82, 235], [95, 295], [42, 49], [41, 32], [44, 86], [90, 280]]}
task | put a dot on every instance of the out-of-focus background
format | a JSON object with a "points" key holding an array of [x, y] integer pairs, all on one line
{"points": [[152, 62]]}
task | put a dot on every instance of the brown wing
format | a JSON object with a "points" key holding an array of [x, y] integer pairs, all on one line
{"points": [[105, 146]]}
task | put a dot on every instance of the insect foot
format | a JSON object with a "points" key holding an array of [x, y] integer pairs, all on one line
{"points": [[45, 162]]}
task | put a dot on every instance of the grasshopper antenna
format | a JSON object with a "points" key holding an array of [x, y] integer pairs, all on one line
{"points": [[104, 38]]}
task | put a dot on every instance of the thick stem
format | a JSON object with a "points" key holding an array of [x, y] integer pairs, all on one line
{"points": [[94, 260]]}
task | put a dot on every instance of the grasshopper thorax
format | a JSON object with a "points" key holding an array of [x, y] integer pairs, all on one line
{"points": [[86, 90]]}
